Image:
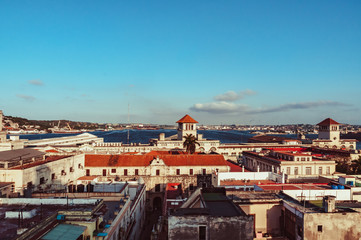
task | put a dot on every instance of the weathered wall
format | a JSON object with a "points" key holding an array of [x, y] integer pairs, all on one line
{"points": [[267, 216], [334, 226], [186, 227]]}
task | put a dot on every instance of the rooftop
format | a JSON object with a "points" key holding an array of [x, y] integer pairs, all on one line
{"points": [[232, 182], [40, 162], [187, 119], [215, 202], [327, 122], [40, 212], [235, 167], [65, 231], [95, 160], [19, 154], [294, 186]]}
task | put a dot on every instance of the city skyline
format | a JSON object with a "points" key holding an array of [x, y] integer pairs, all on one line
{"points": [[223, 63]]}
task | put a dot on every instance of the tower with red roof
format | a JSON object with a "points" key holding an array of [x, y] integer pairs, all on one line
{"points": [[186, 125], [329, 130]]}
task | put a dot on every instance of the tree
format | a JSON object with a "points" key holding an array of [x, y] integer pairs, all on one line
{"points": [[190, 142], [356, 166]]}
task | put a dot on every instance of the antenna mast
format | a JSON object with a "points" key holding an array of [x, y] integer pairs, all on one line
{"points": [[128, 125]]}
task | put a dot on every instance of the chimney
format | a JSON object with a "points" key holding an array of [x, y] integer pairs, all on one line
{"points": [[161, 137], [328, 203]]}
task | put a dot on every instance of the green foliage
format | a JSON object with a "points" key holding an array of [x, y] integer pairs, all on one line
{"points": [[190, 142]]}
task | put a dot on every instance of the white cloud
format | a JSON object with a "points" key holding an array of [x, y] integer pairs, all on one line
{"points": [[218, 107], [36, 82], [26, 97], [232, 96], [234, 108]]}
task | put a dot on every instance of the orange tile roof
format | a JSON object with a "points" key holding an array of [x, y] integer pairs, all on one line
{"points": [[95, 160], [187, 119], [327, 122]]}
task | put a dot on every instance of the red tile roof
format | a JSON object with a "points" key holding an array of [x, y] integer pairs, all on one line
{"points": [[187, 119], [96, 160], [230, 182], [52, 151], [327, 122], [235, 168], [173, 190]]}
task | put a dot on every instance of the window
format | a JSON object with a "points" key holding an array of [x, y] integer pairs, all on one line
{"points": [[114, 170], [157, 172], [178, 171], [71, 169], [296, 170], [191, 171], [320, 170], [328, 170], [157, 187], [104, 172], [42, 180], [53, 176], [191, 187], [202, 232], [308, 171], [63, 173], [319, 228], [204, 171], [125, 172], [288, 170], [87, 172], [136, 172]]}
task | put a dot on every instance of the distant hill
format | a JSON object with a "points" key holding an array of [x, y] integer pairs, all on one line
{"points": [[45, 124]]}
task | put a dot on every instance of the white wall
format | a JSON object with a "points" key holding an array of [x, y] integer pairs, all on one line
{"points": [[248, 176], [340, 194]]}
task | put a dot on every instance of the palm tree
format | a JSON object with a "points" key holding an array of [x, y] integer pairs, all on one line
{"points": [[190, 142]]}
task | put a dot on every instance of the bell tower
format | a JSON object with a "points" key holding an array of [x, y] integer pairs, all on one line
{"points": [[329, 130], [186, 125]]}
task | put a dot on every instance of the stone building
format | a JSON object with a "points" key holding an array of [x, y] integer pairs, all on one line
{"points": [[186, 125], [33, 170], [326, 219], [295, 162], [209, 214], [157, 169], [266, 208], [329, 136], [125, 208]]}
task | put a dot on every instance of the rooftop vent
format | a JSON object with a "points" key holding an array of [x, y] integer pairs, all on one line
{"points": [[328, 203]]}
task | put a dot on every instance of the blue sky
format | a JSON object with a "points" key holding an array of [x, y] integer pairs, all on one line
{"points": [[230, 62]]}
